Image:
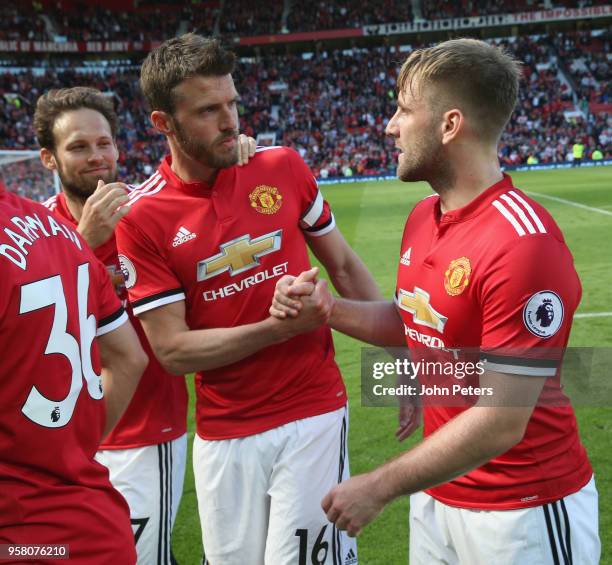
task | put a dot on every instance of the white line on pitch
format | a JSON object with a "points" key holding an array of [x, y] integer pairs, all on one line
{"points": [[593, 315], [571, 203]]}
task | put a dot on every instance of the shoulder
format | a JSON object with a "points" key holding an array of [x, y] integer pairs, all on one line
{"points": [[51, 203], [514, 216], [424, 207], [147, 192], [277, 156]]}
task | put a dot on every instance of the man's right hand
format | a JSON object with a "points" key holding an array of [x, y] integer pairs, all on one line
{"points": [[102, 211], [289, 290]]}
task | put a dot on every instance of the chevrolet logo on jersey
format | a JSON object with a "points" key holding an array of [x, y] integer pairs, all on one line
{"points": [[239, 255], [418, 305]]}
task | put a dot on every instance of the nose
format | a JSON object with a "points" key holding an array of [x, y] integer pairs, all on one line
{"points": [[228, 119], [95, 156], [392, 128]]}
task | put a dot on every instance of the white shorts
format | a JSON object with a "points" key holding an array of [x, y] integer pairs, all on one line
{"points": [[150, 479], [259, 497], [564, 532]]}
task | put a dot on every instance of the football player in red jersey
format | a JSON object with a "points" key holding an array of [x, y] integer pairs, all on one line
{"points": [[496, 479], [203, 246], [146, 451], [70, 364]]}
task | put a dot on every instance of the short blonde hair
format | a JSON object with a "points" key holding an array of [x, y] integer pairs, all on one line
{"points": [[479, 78]]}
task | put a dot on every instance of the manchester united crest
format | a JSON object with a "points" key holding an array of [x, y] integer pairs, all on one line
{"points": [[266, 199], [457, 276]]}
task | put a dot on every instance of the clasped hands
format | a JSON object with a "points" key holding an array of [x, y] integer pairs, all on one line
{"points": [[304, 302], [352, 504]]}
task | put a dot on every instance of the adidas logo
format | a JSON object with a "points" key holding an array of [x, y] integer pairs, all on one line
{"points": [[350, 558], [182, 236], [405, 259]]}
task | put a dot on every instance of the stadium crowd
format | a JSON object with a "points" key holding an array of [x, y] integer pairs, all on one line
{"points": [[345, 14], [337, 126], [21, 23], [586, 56], [435, 9], [158, 21]]}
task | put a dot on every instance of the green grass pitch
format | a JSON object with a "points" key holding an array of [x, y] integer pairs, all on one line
{"points": [[371, 216]]}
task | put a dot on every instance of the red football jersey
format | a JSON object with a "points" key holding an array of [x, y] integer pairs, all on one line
{"points": [[222, 248], [158, 409], [496, 275], [55, 297]]}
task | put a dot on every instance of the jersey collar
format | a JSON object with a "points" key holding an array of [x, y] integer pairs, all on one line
{"points": [[478, 205], [63, 209], [198, 187]]}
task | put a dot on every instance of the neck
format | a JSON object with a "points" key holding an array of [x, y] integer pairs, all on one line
{"points": [[188, 169], [75, 204], [472, 174]]}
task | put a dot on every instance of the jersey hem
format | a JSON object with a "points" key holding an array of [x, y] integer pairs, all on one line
{"points": [[276, 423], [117, 446], [510, 505]]}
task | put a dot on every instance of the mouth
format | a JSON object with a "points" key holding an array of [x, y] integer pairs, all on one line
{"points": [[97, 171], [228, 142]]}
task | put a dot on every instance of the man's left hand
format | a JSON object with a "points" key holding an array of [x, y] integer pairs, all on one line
{"points": [[246, 149]]}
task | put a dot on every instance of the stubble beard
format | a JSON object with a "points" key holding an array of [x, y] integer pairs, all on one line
{"points": [[82, 188], [205, 153], [425, 161]]}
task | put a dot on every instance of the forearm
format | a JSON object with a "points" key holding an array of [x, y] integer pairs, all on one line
{"points": [[355, 281], [201, 350], [119, 386], [377, 323], [466, 442]]}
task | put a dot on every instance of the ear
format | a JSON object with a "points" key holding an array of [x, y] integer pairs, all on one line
{"points": [[48, 159], [162, 122], [452, 125]]}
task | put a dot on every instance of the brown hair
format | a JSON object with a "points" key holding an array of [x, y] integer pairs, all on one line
{"points": [[54, 103], [178, 59], [479, 78]]}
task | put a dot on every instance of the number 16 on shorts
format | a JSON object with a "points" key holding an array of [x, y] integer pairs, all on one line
{"points": [[345, 553]]}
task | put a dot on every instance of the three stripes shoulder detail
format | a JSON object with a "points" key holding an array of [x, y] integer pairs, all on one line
{"points": [[519, 213], [51, 203], [148, 188]]}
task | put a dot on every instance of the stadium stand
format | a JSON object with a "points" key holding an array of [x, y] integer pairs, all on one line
{"points": [[305, 16], [436, 9], [331, 103], [161, 20], [107, 25], [241, 17], [586, 57], [18, 23]]}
